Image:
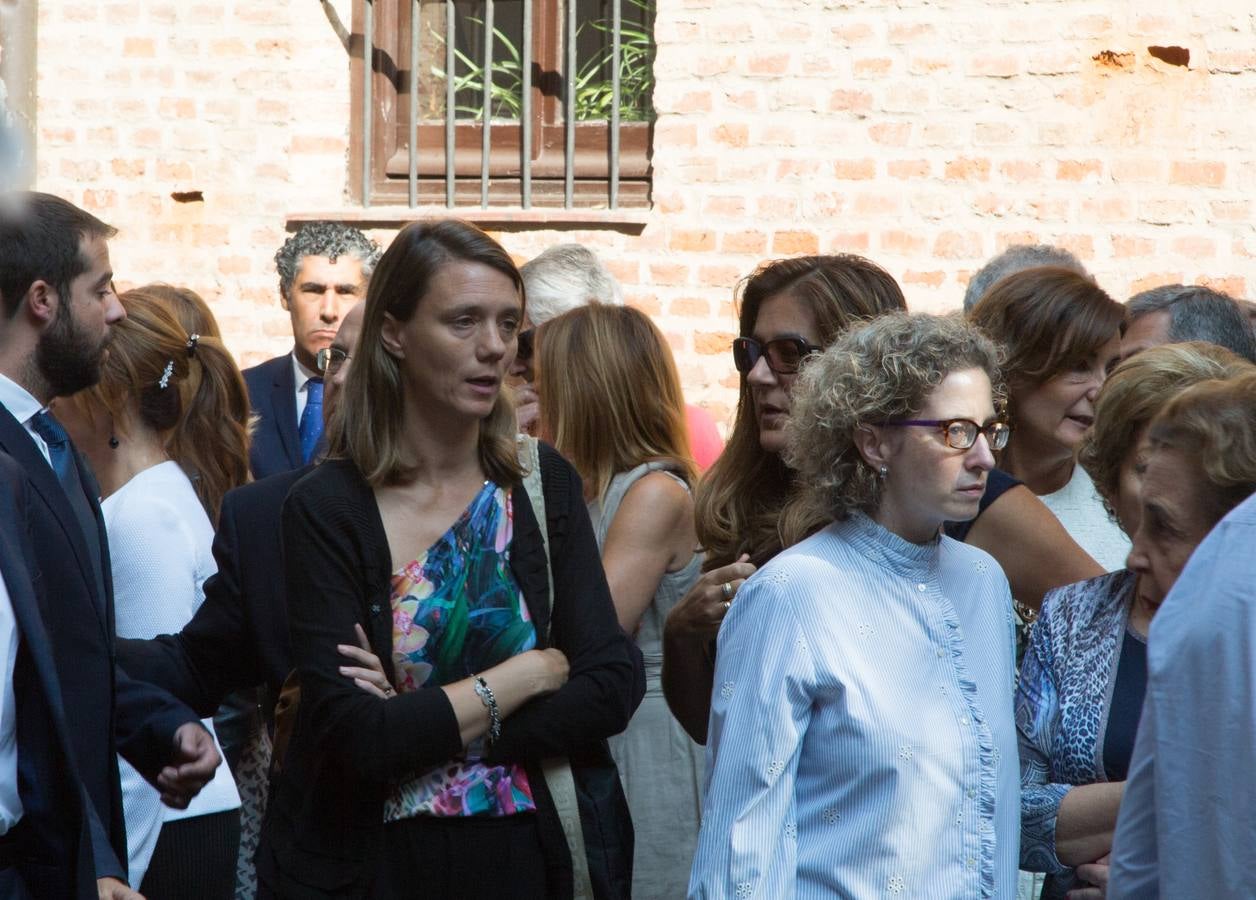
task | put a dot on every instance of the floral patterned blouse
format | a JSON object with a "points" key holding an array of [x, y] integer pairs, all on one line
{"points": [[457, 611], [1063, 702]]}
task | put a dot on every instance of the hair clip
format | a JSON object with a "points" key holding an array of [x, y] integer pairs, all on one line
{"points": [[192, 339], [164, 381]]}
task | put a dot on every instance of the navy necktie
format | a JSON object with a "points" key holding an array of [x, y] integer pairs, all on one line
{"points": [[59, 453], [311, 427]]}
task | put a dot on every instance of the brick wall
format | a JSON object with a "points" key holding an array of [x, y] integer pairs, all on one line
{"points": [[925, 135]]}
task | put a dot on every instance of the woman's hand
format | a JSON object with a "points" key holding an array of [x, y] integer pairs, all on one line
{"points": [[699, 613], [549, 668], [369, 675], [1095, 875]]}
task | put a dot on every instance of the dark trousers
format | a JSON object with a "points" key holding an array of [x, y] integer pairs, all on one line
{"points": [[195, 857]]}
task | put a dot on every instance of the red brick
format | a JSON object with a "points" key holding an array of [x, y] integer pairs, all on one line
{"points": [[902, 243], [647, 303], [891, 134], [1020, 170], [691, 241], [748, 242], [1197, 173], [668, 273], [719, 276], [773, 207], [907, 34], [855, 169], [1078, 169], [966, 169], [788, 169], [850, 101], [850, 242], [848, 35], [690, 307], [958, 245], [774, 64], [876, 204], [1233, 285], [731, 135], [908, 168], [139, 48], [1194, 247], [933, 279], [794, 242], [872, 67], [315, 144], [1003, 65], [732, 207], [1147, 282], [713, 343], [1126, 246], [747, 101]]}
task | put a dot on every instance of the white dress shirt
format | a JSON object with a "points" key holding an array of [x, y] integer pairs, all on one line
{"points": [[862, 741], [10, 803], [301, 377], [23, 407]]}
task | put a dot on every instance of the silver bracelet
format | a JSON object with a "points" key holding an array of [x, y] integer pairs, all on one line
{"points": [[485, 693]]}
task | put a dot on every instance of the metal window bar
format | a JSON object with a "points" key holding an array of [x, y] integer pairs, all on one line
{"points": [[616, 50], [368, 74], [487, 113], [451, 112], [525, 126], [569, 115], [414, 104]]}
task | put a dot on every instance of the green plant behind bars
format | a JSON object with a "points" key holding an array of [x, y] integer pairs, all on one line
{"points": [[594, 88]]}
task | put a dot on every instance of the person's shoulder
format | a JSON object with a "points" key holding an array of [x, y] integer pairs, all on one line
{"points": [[267, 368], [262, 495], [1076, 606], [334, 484]]}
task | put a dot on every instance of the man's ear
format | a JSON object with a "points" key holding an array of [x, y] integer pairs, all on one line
{"points": [[874, 444], [41, 302], [390, 337], [283, 298]]}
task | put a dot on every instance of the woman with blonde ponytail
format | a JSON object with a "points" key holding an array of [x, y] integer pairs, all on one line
{"points": [[161, 411]]}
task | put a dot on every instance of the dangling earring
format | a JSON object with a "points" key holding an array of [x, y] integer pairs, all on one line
{"points": [[113, 442], [883, 471]]}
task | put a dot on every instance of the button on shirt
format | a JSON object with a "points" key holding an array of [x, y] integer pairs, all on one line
{"points": [[862, 740]]}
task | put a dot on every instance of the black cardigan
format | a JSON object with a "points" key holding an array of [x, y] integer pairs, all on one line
{"points": [[325, 818]]}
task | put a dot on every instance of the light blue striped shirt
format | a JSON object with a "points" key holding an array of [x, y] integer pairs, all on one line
{"points": [[862, 741], [1187, 826]]}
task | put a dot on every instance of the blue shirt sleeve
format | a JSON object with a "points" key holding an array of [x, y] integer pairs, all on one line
{"points": [[760, 709]]}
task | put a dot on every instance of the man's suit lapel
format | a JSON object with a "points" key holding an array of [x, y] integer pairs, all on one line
{"points": [[283, 408], [18, 444]]}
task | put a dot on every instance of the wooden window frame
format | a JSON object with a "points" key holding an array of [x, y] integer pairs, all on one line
{"points": [[389, 131]]}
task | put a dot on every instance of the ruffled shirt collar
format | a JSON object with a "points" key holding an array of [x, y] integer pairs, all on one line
{"points": [[879, 543]]}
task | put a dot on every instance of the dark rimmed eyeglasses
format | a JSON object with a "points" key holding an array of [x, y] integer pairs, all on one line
{"points": [[961, 434], [527, 345], [330, 359], [784, 355]]}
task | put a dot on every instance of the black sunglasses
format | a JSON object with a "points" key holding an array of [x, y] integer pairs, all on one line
{"points": [[961, 434], [784, 355], [527, 345]]}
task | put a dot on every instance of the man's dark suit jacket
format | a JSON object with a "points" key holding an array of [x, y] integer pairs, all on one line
{"points": [[272, 393], [54, 837], [239, 636], [111, 713]]}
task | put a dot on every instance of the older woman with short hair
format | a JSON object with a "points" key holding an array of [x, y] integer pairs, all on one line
{"points": [[1085, 670], [861, 735]]}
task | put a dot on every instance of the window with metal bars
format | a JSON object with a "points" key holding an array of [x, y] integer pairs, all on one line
{"points": [[549, 103]]}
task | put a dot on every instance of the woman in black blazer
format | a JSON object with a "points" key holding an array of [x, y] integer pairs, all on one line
{"points": [[419, 529]]}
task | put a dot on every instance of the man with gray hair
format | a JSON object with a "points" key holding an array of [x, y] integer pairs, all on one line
{"points": [[1017, 258], [323, 269], [1173, 313]]}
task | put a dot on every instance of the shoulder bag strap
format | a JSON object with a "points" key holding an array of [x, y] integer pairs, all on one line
{"points": [[557, 769]]}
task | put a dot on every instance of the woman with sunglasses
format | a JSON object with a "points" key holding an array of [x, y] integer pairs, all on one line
{"points": [[789, 309], [861, 739]]}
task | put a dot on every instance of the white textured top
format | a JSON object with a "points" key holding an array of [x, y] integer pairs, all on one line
{"points": [[861, 741], [159, 546], [1080, 510]]}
